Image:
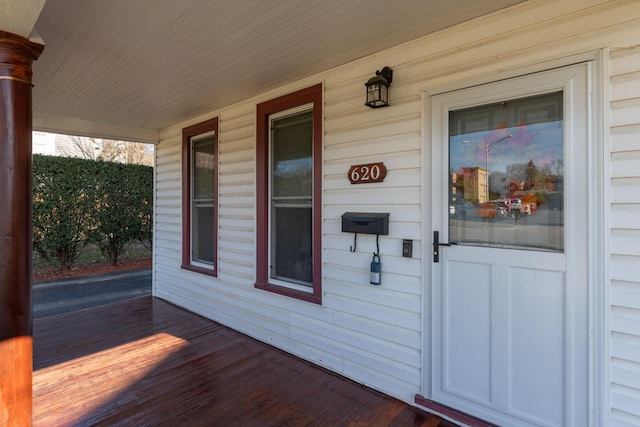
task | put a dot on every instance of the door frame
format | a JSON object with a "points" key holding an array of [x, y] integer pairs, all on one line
{"points": [[598, 221]]}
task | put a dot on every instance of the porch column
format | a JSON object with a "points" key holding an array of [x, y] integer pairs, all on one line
{"points": [[16, 350]]}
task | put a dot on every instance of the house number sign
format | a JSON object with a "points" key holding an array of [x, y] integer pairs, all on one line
{"points": [[364, 174]]}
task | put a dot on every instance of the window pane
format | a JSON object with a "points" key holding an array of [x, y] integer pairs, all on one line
{"points": [[292, 237], [202, 234], [203, 168], [202, 209], [291, 198], [506, 174], [292, 150]]}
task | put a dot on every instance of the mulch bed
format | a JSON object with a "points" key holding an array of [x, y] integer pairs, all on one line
{"points": [[88, 270]]}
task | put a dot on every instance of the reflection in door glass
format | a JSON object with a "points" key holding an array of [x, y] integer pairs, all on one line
{"points": [[506, 178]]}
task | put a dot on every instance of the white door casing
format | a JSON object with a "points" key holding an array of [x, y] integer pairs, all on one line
{"points": [[510, 328]]}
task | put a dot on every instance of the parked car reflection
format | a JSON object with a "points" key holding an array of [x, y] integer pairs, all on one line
{"points": [[462, 209], [466, 210], [492, 210]]}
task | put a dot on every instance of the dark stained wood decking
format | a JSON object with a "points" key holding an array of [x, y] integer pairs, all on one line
{"points": [[145, 362]]}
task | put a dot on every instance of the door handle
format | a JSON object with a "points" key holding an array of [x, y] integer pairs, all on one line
{"points": [[436, 246]]}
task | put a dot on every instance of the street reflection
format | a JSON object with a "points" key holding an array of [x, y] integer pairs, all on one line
{"points": [[541, 230], [506, 174]]}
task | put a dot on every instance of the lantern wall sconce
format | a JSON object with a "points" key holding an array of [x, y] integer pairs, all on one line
{"points": [[378, 88]]}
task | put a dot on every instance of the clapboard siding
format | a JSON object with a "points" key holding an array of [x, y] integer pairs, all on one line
{"points": [[625, 348], [236, 198], [374, 334], [626, 164], [625, 235], [623, 190], [357, 135], [625, 242], [168, 215], [626, 295]]}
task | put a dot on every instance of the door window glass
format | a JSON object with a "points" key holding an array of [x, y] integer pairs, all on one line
{"points": [[506, 178]]}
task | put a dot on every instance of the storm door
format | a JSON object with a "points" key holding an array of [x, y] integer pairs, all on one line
{"points": [[509, 301]]}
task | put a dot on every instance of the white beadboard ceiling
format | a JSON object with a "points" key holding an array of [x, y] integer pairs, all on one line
{"points": [[150, 64]]}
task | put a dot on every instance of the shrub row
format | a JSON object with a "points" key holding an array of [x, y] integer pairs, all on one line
{"points": [[78, 201]]}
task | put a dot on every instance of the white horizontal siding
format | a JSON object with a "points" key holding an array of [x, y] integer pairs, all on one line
{"points": [[624, 371], [358, 135], [625, 236], [373, 334], [381, 331], [236, 198]]}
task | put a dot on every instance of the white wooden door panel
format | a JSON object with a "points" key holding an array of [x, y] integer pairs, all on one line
{"points": [[467, 303], [509, 307], [507, 320]]}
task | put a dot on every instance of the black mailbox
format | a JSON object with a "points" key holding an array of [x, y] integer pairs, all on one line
{"points": [[365, 222]]}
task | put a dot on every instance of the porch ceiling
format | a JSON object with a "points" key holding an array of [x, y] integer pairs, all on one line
{"points": [[149, 64]]}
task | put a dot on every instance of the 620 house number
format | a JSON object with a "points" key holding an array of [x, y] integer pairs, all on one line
{"points": [[371, 172]]}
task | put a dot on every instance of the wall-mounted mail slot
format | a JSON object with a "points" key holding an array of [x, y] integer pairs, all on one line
{"points": [[365, 222]]}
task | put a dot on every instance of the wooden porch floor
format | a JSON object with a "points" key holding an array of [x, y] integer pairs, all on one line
{"points": [[145, 362]]}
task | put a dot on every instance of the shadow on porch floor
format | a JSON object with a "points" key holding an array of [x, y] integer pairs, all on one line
{"points": [[147, 362]]}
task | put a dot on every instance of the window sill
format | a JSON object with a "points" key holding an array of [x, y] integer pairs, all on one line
{"points": [[201, 270], [292, 293]]}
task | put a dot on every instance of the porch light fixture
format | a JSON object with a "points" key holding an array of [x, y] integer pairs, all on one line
{"points": [[378, 88]]}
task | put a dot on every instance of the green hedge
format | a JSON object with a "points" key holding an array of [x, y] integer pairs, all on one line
{"points": [[78, 201]]}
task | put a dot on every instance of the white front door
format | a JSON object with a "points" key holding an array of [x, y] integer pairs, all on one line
{"points": [[510, 340]]}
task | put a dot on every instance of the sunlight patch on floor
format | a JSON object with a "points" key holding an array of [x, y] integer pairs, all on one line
{"points": [[98, 378]]}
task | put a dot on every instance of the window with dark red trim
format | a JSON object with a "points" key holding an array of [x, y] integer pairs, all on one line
{"points": [[200, 197], [288, 189]]}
